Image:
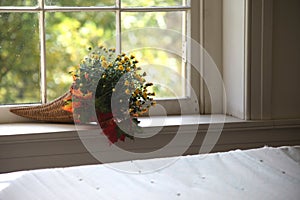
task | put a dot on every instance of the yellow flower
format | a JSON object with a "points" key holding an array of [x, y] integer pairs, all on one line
{"points": [[144, 111], [137, 91], [104, 64], [137, 76], [145, 95], [137, 103], [121, 68], [102, 58], [126, 83], [95, 57], [127, 69], [127, 91], [72, 68]]}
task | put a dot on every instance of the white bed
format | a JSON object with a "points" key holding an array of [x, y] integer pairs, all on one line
{"points": [[265, 173]]}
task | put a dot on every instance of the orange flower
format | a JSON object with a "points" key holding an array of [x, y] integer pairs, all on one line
{"points": [[89, 95], [68, 98], [68, 107], [86, 75], [76, 93], [79, 94], [74, 77], [76, 104], [135, 115]]}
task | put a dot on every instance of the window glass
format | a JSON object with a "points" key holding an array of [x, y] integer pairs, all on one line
{"points": [[142, 3], [18, 2], [68, 36], [80, 2], [19, 58], [156, 38]]}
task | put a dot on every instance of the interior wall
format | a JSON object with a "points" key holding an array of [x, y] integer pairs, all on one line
{"points": [[286, 59]]}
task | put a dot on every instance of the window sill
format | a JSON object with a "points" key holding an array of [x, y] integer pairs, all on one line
{"points": [[24, 128], [42, 145], [146, 122]]}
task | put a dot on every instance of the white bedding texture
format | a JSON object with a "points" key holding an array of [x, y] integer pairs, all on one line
{"points": [[264, 173]]}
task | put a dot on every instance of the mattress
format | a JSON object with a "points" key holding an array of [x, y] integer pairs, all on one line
{"points": [[264, 173]]}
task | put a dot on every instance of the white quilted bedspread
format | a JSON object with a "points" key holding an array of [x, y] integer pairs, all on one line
{"points": [[265, 173]]}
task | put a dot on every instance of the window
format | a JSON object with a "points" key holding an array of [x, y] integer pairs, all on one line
{"points": [[45, 39]]}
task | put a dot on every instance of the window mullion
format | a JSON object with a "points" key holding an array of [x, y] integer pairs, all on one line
{"points": [[43, 52], [118, 27]]}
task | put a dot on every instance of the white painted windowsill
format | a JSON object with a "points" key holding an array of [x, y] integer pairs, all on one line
{"points": [[24, 128], [146, 122], [34, 145]]}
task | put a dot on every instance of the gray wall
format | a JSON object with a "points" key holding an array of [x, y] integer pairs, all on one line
{"points": [[286, 59]]}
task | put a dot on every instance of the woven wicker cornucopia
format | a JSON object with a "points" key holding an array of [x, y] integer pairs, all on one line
{"points": [[49, 112]]}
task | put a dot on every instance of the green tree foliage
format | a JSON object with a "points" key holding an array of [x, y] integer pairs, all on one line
{"points": [[18, 2], [68, 35], [80, 2], [19, 58]]}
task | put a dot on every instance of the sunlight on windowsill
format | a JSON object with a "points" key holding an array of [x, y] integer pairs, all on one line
{"points": [[154, 121]]}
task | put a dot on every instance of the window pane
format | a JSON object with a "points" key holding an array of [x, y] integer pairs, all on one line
{"points": [[19, 58], [18, 2], [80, 2], [143, 3], [164, 69], [156, 39], [68, 36]]}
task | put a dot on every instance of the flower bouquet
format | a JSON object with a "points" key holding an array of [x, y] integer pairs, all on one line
{"points": [[111, 90]]}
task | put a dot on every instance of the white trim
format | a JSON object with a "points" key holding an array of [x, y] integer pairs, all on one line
{"points": [[118, 27], [59, 145], [234, 56], [94, 8], [42, 33]]}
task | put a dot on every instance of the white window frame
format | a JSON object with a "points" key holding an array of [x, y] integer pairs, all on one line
{"points": [[193, 29]]}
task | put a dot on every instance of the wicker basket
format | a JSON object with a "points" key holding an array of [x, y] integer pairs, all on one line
{"points": [[50, 112]]}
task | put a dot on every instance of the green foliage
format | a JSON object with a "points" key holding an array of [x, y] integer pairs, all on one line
{"points": [[80, 2], [113, 87], [110, 78], [18, 2], [68, 35], [19, 58], [142, 3]]}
